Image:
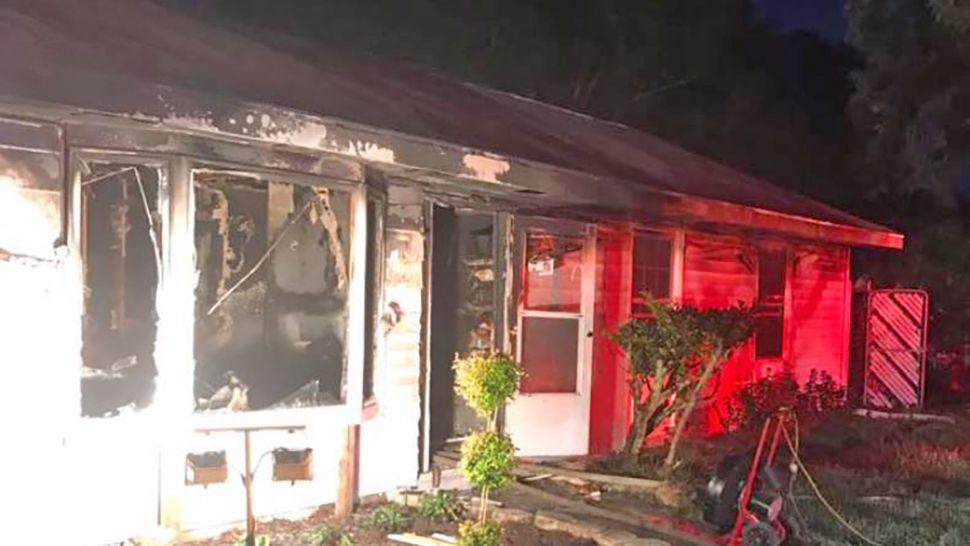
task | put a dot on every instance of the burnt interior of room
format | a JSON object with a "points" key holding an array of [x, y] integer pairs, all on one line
{"points": [[271, 299], [120, 245], [463, 311]]}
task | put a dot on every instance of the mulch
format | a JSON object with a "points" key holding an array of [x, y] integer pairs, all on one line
{"points": [[284, 532]]}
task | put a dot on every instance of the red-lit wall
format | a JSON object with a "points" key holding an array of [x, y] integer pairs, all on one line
{"points": [[608, 404], [821, 305], [718, 271]]}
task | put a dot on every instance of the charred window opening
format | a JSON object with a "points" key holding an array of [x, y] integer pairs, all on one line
{"points": [[271, 299], [769, 340], [121, 253]]}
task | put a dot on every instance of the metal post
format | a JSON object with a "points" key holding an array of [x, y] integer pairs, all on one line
{"points": [[248, 481], [748, 489]]}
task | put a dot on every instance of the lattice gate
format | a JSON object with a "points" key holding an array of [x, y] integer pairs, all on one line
{"points": [[897, 321]]}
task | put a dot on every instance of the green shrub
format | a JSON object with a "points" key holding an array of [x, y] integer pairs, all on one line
{"points": [[441, 507], [325, 534], [389, 517], [480, 533], [752, 403], [487, 459], [672, 356], [261, 540], [487, 381]]}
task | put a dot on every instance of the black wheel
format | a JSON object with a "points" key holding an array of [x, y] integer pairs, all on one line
{"points": [[724, 489], [760, 534]]}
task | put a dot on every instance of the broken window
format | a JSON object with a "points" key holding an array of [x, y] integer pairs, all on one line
{"points": [[271, 299], [121, 254], [770, 307], [651, 268]]}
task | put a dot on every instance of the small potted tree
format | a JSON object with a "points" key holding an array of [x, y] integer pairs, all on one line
{"points": [[487, 382]]}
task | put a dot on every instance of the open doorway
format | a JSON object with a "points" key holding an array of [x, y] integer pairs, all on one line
{"points": [[465, 304]]}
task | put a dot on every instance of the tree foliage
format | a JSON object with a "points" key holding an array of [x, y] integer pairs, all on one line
{"points": [[487, 459], [910, 109], [487, 381]]}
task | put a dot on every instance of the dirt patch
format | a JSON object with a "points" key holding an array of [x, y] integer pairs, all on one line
{"points": [[322, 528]]}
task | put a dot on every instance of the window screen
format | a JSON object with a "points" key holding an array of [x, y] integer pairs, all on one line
{"points": [[549, 354], [771, 304], [651, 268]]}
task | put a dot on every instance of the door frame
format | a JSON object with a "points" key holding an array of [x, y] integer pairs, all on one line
{"points": [[585, 317]]}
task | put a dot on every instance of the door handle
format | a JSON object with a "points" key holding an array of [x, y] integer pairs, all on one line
{"points": [[589, 334]]}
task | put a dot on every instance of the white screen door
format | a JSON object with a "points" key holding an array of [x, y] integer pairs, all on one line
{"points": [[550, 417]]}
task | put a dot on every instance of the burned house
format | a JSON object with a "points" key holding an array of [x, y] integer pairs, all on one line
{"points": [[200, 233]]}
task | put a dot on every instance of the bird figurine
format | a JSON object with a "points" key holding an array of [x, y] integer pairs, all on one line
{"points": [[233, 396]]}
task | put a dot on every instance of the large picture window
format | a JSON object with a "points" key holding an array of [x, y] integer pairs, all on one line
{"points": [[770, 307], [271, 298]]}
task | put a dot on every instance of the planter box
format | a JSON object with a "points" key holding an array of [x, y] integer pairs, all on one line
{"points": [[206, 468], [291, 465]]}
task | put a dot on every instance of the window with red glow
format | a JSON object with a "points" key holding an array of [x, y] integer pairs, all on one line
{"points": [[651, 269], [770, 307], [553, 272], [549, 354]]}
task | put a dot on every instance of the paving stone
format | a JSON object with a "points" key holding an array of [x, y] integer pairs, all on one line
{"points": [[614, 537], [511, 515], [557, 521], [648, 542]]}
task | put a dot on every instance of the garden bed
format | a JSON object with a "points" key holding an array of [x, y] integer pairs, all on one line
{"points": [[370, 527]]}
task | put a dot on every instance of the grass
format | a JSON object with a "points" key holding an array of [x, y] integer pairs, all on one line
{"points": [[899, 482], [903, 483]]}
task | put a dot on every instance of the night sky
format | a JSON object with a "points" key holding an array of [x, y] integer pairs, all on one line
{"points": [[823, 16]]}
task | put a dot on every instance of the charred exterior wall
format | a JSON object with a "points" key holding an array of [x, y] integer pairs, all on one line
{"points": [[393, 423]]}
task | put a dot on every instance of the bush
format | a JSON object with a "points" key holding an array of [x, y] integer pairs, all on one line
{"points": [[480, 533], [672, 356], [441, 507], [487, 459], [387, 517], [751, 404], [487, 381], [327, 535]]}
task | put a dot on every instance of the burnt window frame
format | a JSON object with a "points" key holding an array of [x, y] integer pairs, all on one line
{"points": [[349, 409], [374, 301], [779, 310], [74, 218]]}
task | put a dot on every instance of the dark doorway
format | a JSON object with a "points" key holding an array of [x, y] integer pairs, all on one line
{"points": [[464, 307]]}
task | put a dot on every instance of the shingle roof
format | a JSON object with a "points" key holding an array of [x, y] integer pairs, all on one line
{"points": [[144, 41]]}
